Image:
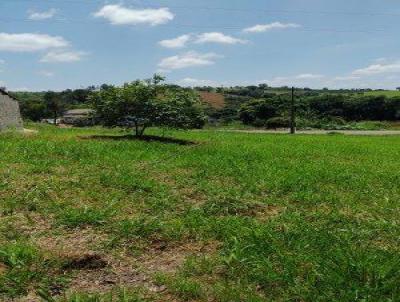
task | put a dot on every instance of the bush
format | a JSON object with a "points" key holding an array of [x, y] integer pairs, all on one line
{"points": [[254, 111], [258, 123], [278, 122]]}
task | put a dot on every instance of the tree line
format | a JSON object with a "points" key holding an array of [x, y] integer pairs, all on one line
{"points": [[36, 106], [268, 111], [142, 104], [137, 105], [264, 106]]}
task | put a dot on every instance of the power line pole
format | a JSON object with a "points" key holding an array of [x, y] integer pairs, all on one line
{"points": [[292, 115]]}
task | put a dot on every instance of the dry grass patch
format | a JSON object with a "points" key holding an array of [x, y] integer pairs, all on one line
{"points": [[168, 259], [67, 243], [266, 212]]}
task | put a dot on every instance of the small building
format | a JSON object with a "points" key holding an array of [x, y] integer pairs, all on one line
{"points": [[78, 117], [50, 121], [10, 115]]}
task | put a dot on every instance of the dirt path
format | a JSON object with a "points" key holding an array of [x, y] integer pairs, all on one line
{"points": [[345, 132]]}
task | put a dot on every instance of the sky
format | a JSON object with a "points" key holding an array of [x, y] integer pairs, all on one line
{"points": [[60, 44]]}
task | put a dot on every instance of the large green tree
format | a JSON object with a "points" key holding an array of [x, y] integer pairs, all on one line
{"points": [[143, 104], [257, 111]]}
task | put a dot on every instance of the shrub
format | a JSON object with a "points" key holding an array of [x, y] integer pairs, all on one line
{"points": [[255, 110], [278, 122]]}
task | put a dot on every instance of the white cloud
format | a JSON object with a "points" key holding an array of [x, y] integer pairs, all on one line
{"points": [[28, 42], [120, 15], [217, 37], [346, 78], [381, 68], [45, 73], [211, 37], [38, 16], [188, 59], [63, 56], [300, 80], [191, 82], [307, 76], [271, 26], [178, 42]]}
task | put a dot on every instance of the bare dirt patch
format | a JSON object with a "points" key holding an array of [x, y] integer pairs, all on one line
{"points": [[215, 100], [32, 224], [101, 280], [72, 243], [3, 269], [31, 297], [86, 262], [92, 269]]}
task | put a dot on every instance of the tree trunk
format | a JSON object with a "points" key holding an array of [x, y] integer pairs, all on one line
{"points": [[142, 131], [136, 129], [55, 118], [139, 131]]}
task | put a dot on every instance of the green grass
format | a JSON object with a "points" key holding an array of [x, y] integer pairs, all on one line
{"points": [[114, 296], [236, 217], [26, 267], [387, 93]]}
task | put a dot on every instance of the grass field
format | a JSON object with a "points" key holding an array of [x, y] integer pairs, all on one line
{"points": [[234, 217], [387, 93]]}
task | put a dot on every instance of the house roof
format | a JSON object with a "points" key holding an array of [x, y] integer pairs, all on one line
{"points": [[3, 92], [78, 112]]}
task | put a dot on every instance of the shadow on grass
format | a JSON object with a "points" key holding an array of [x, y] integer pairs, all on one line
{"points": [[146, 138]]}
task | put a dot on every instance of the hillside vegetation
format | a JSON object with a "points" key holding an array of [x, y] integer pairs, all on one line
{"points": [[257, 106], [229, 217], [387, 93]]}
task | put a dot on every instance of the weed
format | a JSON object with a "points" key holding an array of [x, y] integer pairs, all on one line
{"points": [[184, 288], [77, 217], [25, 266]]}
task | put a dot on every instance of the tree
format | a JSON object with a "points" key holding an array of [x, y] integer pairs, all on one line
{"points": [[54, 104], [398, 88], [33, 110], [255, 112], [143, 104]]}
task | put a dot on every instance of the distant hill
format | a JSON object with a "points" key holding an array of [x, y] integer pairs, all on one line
{"points": [[214, 99]]}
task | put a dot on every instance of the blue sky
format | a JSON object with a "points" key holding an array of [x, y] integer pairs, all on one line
{"points": [[59, 44]]}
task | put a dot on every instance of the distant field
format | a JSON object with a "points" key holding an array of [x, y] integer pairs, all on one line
{"points": [[235, 217], [214, 99], [388, 93]]}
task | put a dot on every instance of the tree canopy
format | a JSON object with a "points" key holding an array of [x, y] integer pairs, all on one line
{"points": [[142, 104]]}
